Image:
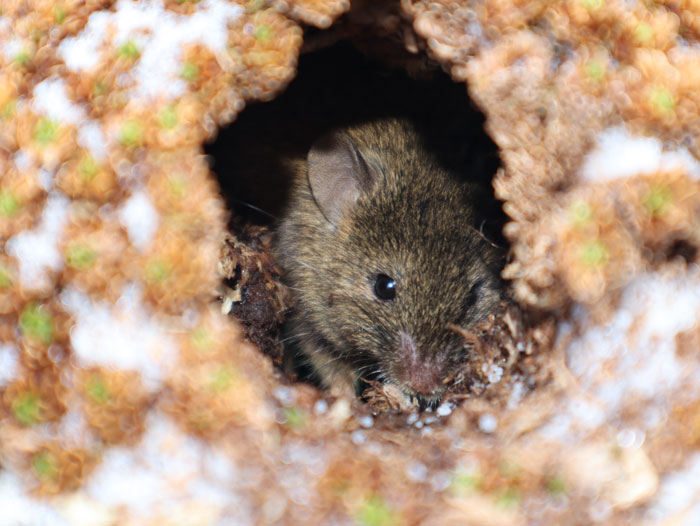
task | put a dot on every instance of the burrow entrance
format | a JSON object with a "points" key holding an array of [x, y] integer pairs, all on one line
{"points": [[334, 87]]}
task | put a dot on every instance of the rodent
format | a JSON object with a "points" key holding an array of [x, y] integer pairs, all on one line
{"points": [[381, 245]]}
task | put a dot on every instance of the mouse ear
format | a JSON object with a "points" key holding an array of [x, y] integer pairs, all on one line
{"points": [[337, 175]]}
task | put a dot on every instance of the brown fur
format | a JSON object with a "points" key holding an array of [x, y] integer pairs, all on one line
{"points": [[416, 224]]}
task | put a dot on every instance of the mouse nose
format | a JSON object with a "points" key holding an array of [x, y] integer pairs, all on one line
{"points": [[423, 376]]}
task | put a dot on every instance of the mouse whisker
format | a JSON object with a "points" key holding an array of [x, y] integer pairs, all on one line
{"points": [[480, 233], [293, 336], [253, 207]]}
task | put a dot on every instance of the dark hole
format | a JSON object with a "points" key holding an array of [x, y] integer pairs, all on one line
{"points": [[683, 249], [338, 86]]}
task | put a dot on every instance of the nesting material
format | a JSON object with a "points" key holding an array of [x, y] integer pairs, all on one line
{"points": [[128, 397]]}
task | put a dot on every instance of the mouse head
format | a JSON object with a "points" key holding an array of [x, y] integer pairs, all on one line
{"points": [[401, 259]]}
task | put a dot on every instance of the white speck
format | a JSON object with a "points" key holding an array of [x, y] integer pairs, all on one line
{"points": [[124, 335], [12, 48], [416, 471], [8, 363], [366, 421], [73, 428], [50, 99], [140, 218], [358, 437], [493, 372], [441, 480], [619, 154], [286, 395], [82, 51], [37, 249], [418, 424], [163, 476], [444, 409], [19, 509], [622, 360], [412, 418], [630, 438], [44, 178], [92, 137], [488, 423], [679, 492], [516, 394], [22, 161], [320, 407], [159, 33], [600, 510]]}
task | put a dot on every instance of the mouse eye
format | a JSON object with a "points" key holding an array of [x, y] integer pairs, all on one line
{"points": [[384, 287]]}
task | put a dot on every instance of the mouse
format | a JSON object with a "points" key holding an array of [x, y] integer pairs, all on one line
{"points": [[382, 249]]}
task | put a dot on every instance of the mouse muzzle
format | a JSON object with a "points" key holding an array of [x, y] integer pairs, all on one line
{"points": [[419, 374]]}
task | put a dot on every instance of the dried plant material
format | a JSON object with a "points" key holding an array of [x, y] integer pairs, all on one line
{"points": [[115, 404], [587, 410], [267, 44], [21, 198], [35, 398], [317, 13], [59, 469], [97, 254], [84, 177], [255, 293]]}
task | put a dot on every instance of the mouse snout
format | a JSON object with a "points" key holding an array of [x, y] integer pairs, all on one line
{"points": [[422, 374]]}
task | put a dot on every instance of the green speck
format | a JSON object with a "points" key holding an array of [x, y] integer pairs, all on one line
{"points": [[99, 88], [157, 271], [80, 256], [177, 187], [37, 34], [656, 200], [88, 168], [375, 512], [200, 339], [9, 205], [509, 498], [464, 482], [643, 33], [22, 58], [595, 254], [580, 213], [131, 133], [592, 5], [555, 486], [8, 109], [59, 14], [44, 465], [97, 390], [45, 131], [263, 32], [190, 71], [222, 379], [129, 49], [508, 468], [5, 279], [36, 323], [26, 408], [340, 486], [594, 70], [168, 117], [663, 99], [296, 418]]}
